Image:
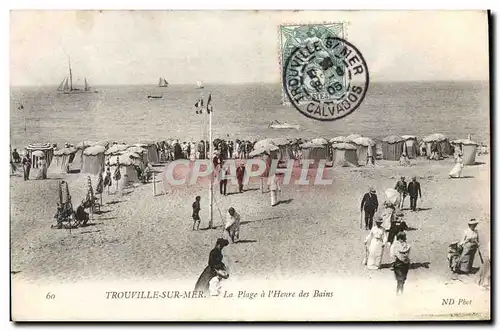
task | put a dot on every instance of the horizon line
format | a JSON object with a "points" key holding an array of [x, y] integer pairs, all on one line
{"points": [[269, 83]]}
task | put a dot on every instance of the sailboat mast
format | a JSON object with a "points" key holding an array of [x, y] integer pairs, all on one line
{"points": [[70, 75]]}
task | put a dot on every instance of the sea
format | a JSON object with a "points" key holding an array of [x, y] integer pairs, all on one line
{"points": [[125, 113]]}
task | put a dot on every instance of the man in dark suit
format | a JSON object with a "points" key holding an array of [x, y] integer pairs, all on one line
{"points": [[414, 191], [370, 205]]}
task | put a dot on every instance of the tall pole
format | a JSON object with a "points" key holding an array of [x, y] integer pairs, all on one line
{"points": [[211, 187]]}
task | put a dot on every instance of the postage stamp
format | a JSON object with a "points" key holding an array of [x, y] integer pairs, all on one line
{"points": [[324, 76]]}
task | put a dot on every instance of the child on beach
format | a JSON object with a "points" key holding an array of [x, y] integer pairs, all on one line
{"points": [[196, 213]]}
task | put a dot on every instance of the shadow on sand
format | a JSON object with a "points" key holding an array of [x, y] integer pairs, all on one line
{"points": [[244, 241], [415, 265], [284, 202]]}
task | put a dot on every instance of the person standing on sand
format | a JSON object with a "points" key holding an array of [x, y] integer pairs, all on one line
{"points": [[400, 253], [273, 185], [196, 213], [370, 157], [369, 204], [26, 167], [469, 245], [402, 189], [456, 171], [223, 176], [240, 174], [232, 226], [414, 192], [214, 263], [377, 239]]}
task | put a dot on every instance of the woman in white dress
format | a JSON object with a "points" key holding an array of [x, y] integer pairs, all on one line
{"points": [[273, 184], [377, 238], [456, 171]]}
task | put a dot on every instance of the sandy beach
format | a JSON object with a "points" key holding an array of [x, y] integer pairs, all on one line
{"points": [[314, 233]]}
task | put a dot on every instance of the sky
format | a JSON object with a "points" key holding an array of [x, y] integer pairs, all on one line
{"points": [[234, 47]]}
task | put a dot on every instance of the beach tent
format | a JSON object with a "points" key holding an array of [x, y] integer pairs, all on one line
{"points": [[284, 149], [140, 151], [38, 172], [93, 160], [411, 146], [442, 143], [46, 149], [263, 142], [468, 149], [345, 155], [362, 145], [315, 152], [84, 144], [152, 149], [392, 148], [116, 149], [62, 159], [127, 168]]}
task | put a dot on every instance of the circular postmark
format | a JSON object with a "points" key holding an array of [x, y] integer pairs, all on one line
{"points": [[326, 79]]}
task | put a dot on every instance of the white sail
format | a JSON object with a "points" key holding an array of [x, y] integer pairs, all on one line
{"points": [[87, 87], [63, 84], [163, 82], [66, 84], [200, 84]]}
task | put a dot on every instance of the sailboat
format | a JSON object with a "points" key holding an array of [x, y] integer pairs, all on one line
{"points": [[67, 87], [163, 82], [200, 85]]}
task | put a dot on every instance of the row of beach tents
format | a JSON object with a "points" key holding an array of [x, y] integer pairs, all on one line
{"points": [[353, 150]]}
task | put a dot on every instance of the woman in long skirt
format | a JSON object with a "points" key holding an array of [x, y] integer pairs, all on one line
{"points": [[214, 263], [456, 171], [469, 246], [377, 238], [274, 186], [400, 253]]}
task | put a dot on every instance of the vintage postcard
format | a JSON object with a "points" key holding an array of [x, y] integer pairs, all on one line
{"points": [[249, 165]]}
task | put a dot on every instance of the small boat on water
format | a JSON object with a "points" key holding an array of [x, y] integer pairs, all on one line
{"points": [[155, 96], [284, 125], [199, 85], [67, 86], [163, 82]]}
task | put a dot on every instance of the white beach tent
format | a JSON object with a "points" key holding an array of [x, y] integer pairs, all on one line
{"points": [[350, 138], [45, 148], [116, 149], [345, 155], [339, 139], [93, 160], [127, 162], [141, 151], [284, 148], [411, 146], [62, 159], [362, 145], [468, 149]]}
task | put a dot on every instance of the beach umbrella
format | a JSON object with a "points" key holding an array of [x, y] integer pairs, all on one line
{"points": [[264, 142], [392, 196], [267, 149], [409, 137], [102, 143], [116, 148], [65, 151], [136, 149]]}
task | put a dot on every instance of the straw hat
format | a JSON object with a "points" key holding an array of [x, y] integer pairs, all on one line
{"points": [[472, 221], [372, 189]]}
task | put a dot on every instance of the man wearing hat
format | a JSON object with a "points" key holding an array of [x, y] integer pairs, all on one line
{"points": [[370, 205], [414, 191], [402, 189], [240, 174]]}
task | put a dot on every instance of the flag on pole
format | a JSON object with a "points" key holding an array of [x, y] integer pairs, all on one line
{"points": [[209, 103], [199, 104]]}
